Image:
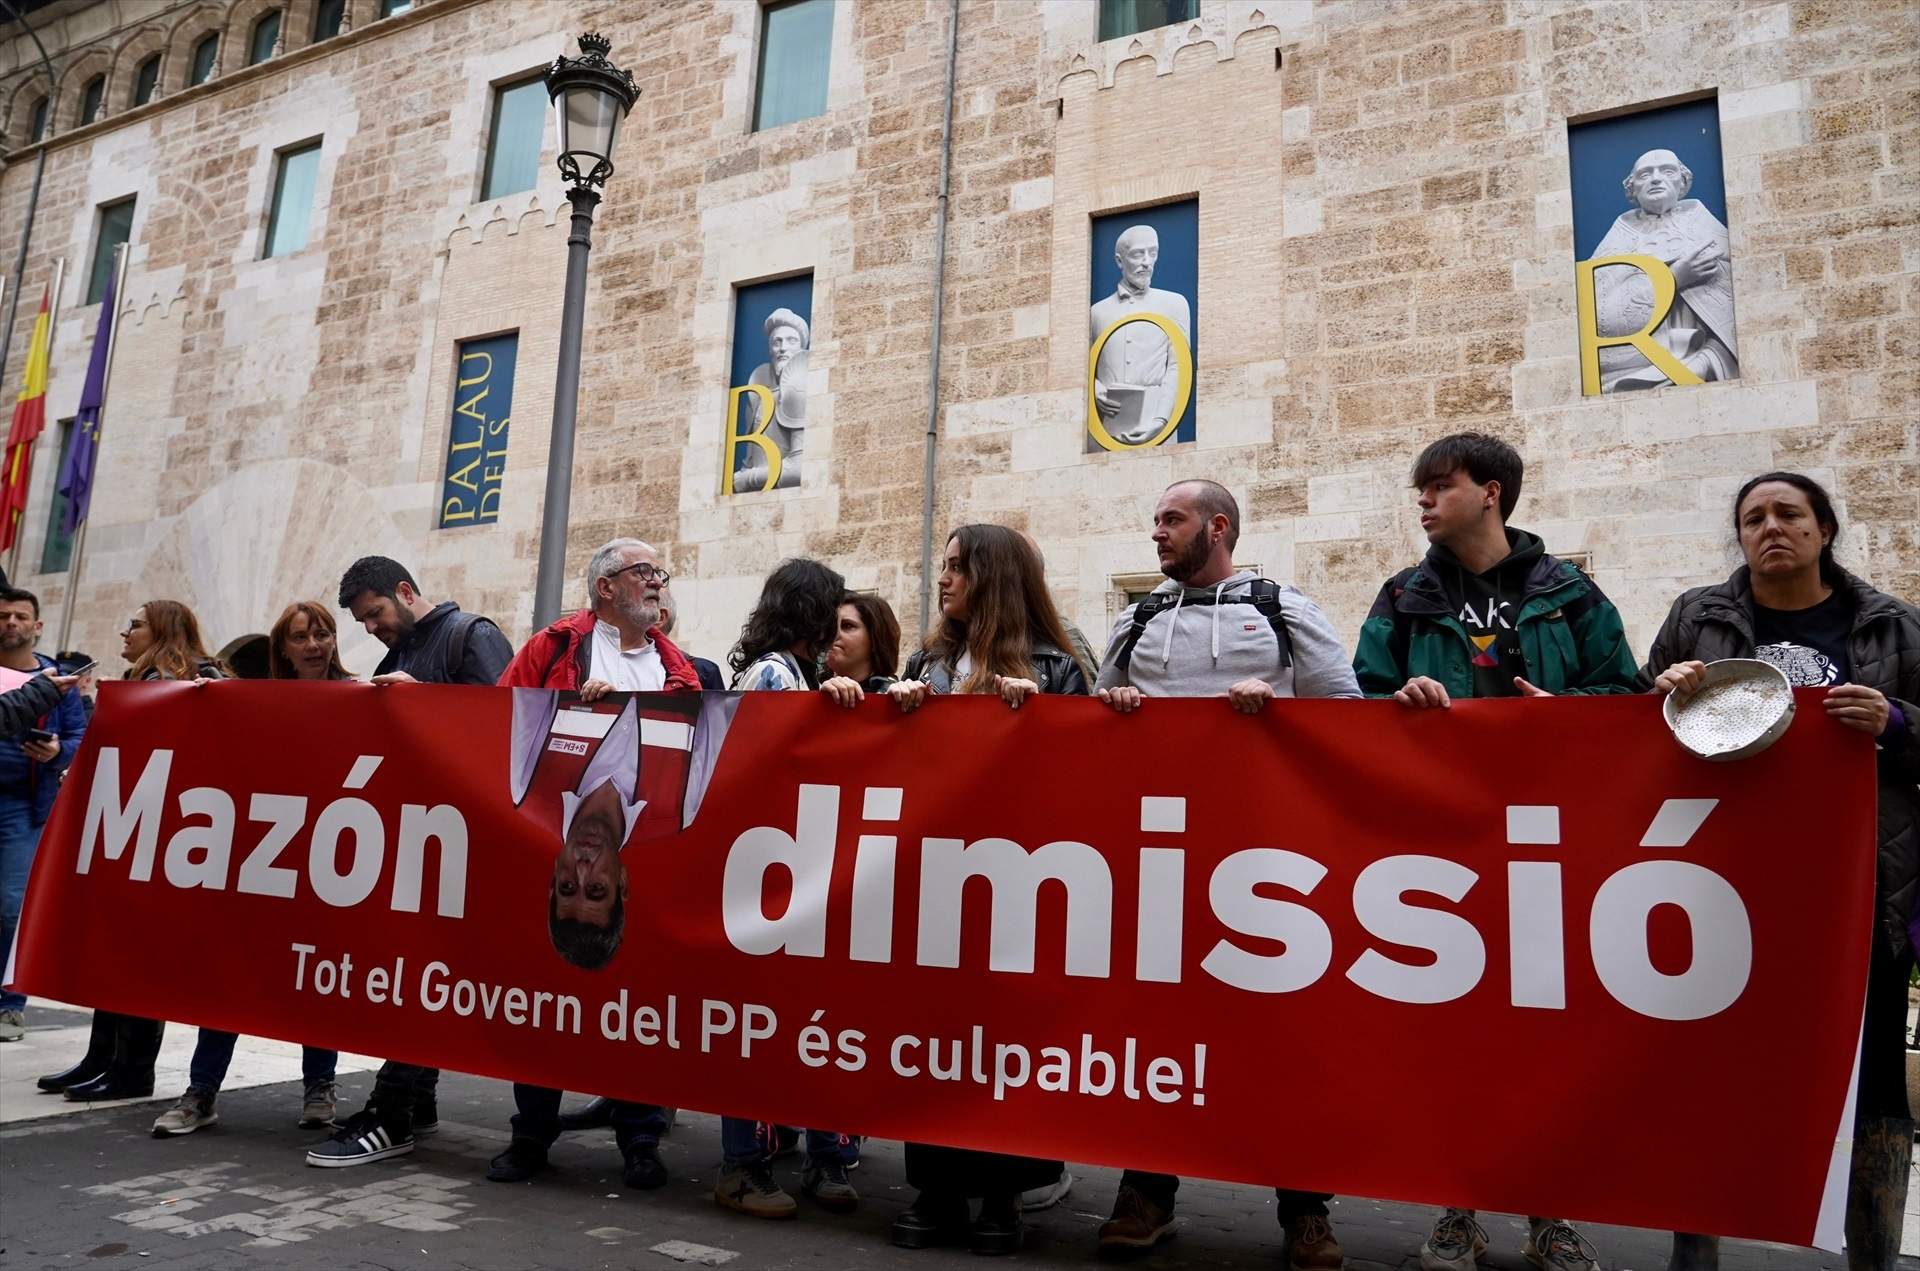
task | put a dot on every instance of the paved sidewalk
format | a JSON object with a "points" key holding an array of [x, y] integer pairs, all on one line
{"points": [[93, 1188]]}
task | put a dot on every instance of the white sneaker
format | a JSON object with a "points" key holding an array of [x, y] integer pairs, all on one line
{"points": [[1035, 1199], [1457, 1240], [1553, 1245], [193, 1110], [13, 1025]]}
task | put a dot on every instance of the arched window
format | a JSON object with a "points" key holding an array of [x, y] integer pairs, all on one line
{"points": [[327, 16], [204, 55], [266, 34], [41, 109], [90, 97], [145, 79]]}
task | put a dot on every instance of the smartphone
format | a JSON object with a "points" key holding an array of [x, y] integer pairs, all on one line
{"points": [[40, 735], [88, 669]]}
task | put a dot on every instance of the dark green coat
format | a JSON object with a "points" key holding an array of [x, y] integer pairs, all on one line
{"points": [[1571, 637]]}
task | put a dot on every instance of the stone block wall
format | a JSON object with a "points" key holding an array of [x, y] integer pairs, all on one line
{"points": [[1386, 256]]}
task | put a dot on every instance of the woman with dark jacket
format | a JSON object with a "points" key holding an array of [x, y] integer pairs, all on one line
{"points": [[161, 642], [1792, 605], [999, 633]]}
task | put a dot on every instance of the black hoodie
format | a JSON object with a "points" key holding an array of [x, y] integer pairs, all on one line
{"points": [[1485, 604]]}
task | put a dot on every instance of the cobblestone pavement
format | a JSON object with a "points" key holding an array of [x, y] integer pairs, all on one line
{"points": [[94, 1189]]}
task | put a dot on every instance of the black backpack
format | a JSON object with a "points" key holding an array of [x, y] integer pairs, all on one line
{"points": [[1263, 594]]}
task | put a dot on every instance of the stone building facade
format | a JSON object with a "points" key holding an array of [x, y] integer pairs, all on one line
{"points": [[1385, 251]]}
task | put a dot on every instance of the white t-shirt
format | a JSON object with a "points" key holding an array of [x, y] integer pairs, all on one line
{"points": [[628, 670]]}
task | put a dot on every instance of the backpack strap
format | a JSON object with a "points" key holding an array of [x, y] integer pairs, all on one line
{"points": [[1263, 594], [1149, 608], [562, 647], [457, 644]]}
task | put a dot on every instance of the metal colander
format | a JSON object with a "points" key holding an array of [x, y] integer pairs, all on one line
{"points": [[1744, 707]]}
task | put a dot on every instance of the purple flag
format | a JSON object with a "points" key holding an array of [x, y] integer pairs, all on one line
{"points": [[76, 474]]}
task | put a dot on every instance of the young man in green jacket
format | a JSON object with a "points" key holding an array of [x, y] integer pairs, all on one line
{"points": [[1488, 613]]}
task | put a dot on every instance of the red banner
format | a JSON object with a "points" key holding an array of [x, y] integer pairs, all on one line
{"points": [[1273, 949]]}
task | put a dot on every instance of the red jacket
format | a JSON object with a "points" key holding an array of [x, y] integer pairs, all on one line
{"points": [[561, 657]]}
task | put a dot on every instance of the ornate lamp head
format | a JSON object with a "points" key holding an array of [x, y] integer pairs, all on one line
{"points": [[590, 97]]}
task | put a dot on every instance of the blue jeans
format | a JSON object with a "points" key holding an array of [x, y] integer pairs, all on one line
{"points": [[214, 1051], [19, 836], [745, 1142]]}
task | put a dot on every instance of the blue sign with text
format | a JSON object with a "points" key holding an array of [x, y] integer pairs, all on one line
{"points": [[477, 442]]}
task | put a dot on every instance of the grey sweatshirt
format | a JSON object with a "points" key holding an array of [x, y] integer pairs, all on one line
{"points": [[1205, 650]]}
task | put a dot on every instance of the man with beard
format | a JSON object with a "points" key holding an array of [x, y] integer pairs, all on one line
{"points": [[426, 644], [30, 769], [785, 373], [1137, 376], [615, 645], [1212, 630]]}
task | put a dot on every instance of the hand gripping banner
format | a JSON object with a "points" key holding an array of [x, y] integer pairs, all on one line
{"points": [[1258, 948]]}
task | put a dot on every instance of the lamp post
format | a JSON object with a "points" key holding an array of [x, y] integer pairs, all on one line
{"points": [[590, 97]]}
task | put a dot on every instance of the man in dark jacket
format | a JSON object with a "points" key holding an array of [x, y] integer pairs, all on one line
{"points": [[426, 644], [30, 768], [1488, 613]]}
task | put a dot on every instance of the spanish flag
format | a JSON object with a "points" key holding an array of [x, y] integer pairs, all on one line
{"points": [[29, 418]]}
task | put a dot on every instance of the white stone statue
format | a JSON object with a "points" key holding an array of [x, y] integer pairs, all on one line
{"points": [[1667, 225], [1137, 376], [785, 372]]}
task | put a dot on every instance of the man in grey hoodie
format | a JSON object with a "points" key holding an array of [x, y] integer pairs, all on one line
{"points": [[1212, 630]]}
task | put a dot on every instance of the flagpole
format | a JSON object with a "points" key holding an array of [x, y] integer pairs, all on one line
{"points": [[106, 382], [53, 320]]}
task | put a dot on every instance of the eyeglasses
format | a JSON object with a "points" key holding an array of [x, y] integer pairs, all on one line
{"points": [[133, 625], [645, 571]]}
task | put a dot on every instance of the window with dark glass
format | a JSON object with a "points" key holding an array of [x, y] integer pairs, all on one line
{"points": [[796, 46], [292, 200], [116, 227], [327, 18], [145, 80], [1130, 17], [513, 146], [266, 34], [90, 99], [40, 109], [204, 54], [390, 7], [56, 552]]}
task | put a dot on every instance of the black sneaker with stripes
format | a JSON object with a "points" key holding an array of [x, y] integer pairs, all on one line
{"points": [[361, 1139]]}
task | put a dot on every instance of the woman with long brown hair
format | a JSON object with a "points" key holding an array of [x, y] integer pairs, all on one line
{"points": [[301, 646], [160, 642], [304, 644], [999, 633]]}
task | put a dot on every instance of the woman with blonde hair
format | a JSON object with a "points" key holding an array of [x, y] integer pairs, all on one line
{"points": [[160, 642]]}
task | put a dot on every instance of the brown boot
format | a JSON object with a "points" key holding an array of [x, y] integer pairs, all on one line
{"points": [[1877, 1192], [1694, 1253], [1311, 1245], [1137, 1224]]}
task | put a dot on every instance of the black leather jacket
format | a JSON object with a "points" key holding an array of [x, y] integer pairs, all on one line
{"points": [[1710, 623], [1054, 672]]}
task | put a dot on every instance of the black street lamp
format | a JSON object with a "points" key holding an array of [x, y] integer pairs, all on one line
{"points": [[590, 97]]}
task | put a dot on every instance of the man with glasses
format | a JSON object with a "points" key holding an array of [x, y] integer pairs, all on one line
{"points": [[615, 645]]}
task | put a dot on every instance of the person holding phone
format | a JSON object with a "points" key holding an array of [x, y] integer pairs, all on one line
{"points": [[43, 726]]}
